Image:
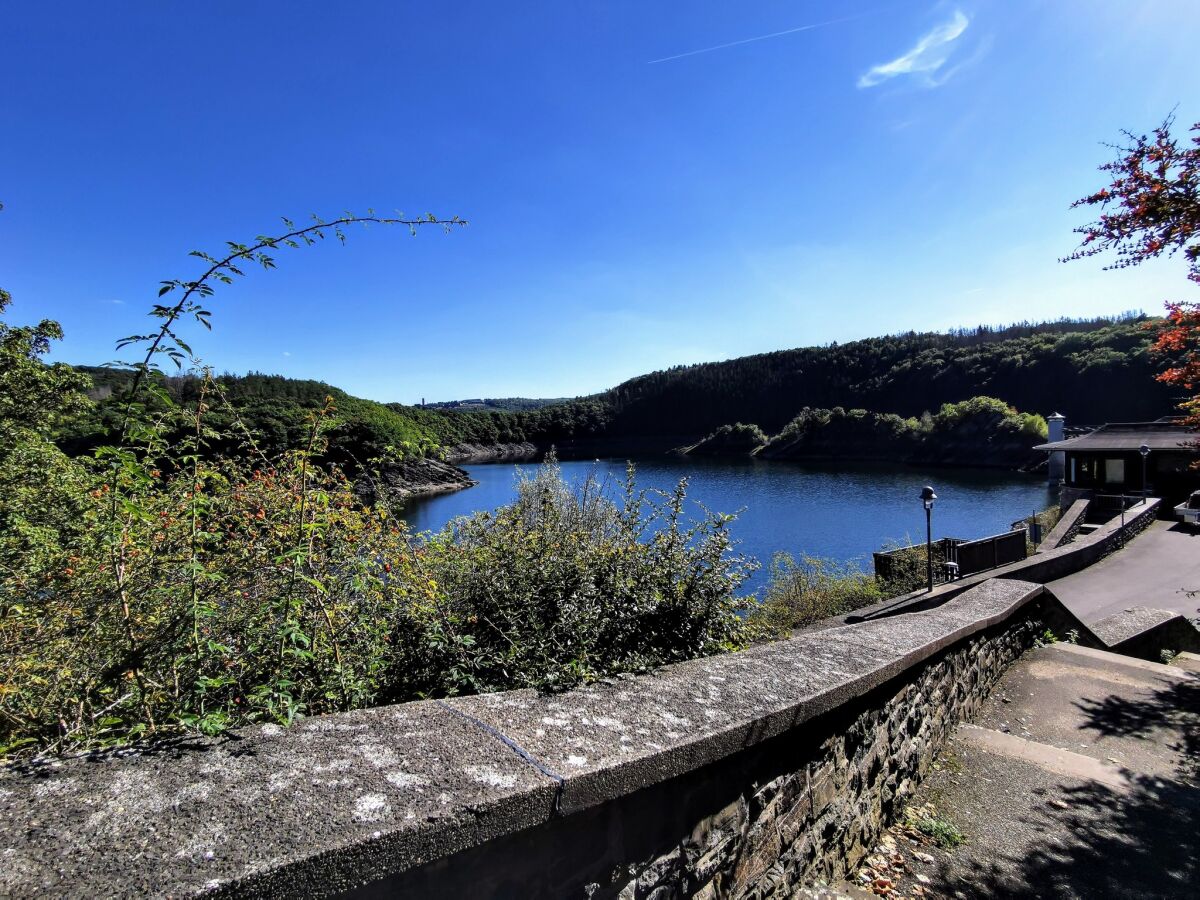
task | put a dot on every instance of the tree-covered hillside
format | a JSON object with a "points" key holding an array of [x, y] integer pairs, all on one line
{"points": [[495, 404], [275, 409], [1091, 371]]}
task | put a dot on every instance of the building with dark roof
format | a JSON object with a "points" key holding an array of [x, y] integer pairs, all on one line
{"points": [[1112, 459]]}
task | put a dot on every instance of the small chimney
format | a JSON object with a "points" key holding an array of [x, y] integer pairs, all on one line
{"points": [[1058, 458], [1056, 422]]}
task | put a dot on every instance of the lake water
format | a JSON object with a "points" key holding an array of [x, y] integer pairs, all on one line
{"points": [[840, 511]]}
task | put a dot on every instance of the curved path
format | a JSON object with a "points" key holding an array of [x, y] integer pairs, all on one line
{"points": [[1156, 569]]}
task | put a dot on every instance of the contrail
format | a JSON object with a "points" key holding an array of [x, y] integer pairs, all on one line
{"points": [[751, 40]]}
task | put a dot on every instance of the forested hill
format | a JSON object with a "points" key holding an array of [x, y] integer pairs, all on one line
{"points": [[495, 404], [276, 410], [1091, 371]]}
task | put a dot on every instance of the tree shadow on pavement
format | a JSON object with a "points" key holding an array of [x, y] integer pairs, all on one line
{"points": [[1171, 715], [1093, 841], [1086, 839]]}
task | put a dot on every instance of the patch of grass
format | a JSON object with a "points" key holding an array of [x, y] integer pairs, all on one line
{"points": [[943, 833], [925, 821], [948, 762], [1045, 639]]}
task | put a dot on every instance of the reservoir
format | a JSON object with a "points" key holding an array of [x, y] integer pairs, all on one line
{"points": [[842, 511]]}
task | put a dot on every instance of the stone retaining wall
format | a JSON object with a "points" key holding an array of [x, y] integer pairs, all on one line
{"points": [[802, 807], [826, 805]]}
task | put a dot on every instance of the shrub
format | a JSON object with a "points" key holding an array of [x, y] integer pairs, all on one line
{"points": [[909, 570], [185, 578], [567, 585], [197, 597], [222, 594], [802, 593]]}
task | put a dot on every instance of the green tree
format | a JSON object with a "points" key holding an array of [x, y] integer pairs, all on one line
{"points": [[37, 481]]}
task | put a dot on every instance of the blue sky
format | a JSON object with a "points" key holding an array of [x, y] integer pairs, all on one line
{"points": [[818, 171]]}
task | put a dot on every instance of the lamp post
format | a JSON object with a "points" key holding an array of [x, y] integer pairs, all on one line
{"points": [[927, 498], [1145, 451]]}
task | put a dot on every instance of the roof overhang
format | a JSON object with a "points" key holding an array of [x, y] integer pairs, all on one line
{"points": [[1131, 438]]}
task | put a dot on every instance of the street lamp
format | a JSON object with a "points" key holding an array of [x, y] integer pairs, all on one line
{"points": [[1145, 451], [927, 498]]}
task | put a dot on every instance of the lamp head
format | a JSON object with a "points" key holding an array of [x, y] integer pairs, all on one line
{"points": [[1144, 450], [928, 496]]}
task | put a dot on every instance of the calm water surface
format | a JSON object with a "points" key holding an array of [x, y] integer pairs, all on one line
{"points": [[842, 511]]}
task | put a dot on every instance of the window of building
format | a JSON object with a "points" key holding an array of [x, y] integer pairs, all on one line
{"points": [[1084, 470], [1114, 471], [1171, 463]]}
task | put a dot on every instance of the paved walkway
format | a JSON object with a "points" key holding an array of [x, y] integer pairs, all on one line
{"points": [[1076, 780], [1153, 570]]}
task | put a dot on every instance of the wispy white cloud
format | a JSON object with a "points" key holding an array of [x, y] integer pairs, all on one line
{"points": [[287, 352], [925, 59], [751, 40], [116, 302]]}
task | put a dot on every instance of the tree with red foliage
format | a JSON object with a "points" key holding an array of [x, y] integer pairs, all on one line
{"points": [[1180, 336], [1151, 209]]}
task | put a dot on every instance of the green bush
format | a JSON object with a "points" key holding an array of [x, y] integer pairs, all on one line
{"points": [[802, 593], [567, 585], [202, 596], [197, 572], [195, 597], [909, 571]]}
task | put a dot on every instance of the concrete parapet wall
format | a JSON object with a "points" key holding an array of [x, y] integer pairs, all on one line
{"points": [[1046, 565], [1082, 552], [1066, 528], [735, 775], [1145, 633], [1068, 496]]}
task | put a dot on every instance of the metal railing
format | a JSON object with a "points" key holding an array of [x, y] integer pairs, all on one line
{"points": [[989, 552], [955, 558]]}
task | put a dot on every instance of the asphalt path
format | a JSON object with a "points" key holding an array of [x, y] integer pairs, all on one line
{"points": [[1156, 569], [1076, 779]]}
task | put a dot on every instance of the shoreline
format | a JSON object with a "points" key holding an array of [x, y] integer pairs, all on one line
{"points": [[679, 447]]}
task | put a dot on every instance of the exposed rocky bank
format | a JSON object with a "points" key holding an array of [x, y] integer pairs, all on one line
{"points": [[414, 477], [486, 453]]}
